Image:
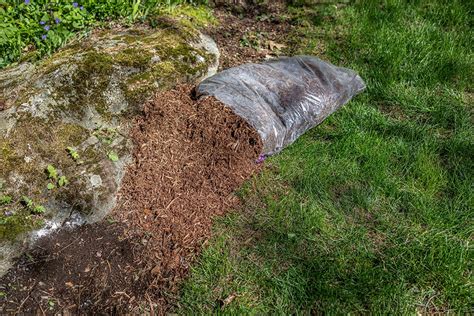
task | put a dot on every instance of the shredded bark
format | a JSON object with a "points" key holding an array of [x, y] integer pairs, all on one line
{"points": [[190, 157]]}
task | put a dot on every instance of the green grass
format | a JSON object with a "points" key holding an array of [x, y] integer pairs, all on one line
{"points": [[372, 211]]}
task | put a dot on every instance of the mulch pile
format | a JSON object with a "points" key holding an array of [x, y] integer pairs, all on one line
{"points": [[189, 158]]}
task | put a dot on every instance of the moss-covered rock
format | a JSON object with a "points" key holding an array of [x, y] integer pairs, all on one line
{"points": [[64, 123]]}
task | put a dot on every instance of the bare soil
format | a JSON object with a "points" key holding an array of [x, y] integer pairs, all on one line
{"points": [[189, 158], [74, 271]]}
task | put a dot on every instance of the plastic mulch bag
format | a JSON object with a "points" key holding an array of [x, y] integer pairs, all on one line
{"points": [[285, 97]]}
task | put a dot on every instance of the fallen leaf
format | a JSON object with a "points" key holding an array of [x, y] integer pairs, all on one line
{"points": [[113, 156], [156, 270], [228, 300], [273, 46]]}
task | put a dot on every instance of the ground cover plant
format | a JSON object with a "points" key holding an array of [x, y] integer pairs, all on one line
{"points": [[32, 28], [373, 210]]}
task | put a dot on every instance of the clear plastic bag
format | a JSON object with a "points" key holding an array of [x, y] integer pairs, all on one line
{"points": [[285, 97]]}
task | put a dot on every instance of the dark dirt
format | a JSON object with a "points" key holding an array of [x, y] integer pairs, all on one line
{"points": [[190, 156], [75, 270]]}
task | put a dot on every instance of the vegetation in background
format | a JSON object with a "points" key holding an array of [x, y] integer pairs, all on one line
{"points": [[32, 28], [372, 211]]}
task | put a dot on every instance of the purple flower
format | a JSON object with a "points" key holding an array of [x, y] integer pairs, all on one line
{"points": [[42, 22], [81, 7], [46, 28], [27, 1], [57, 20], [43, 37], [261, 158], [75, 4]]}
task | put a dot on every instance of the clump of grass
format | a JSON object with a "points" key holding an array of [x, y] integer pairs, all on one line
{"points": [[371, 212]]}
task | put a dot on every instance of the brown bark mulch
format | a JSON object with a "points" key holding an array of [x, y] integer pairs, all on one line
{"points": [[190, 158]]}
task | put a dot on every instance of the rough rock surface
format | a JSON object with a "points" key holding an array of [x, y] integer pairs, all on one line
{"points": [[72, 112]]}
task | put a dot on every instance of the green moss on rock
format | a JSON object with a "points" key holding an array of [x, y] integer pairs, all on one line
{"points": [[184, 20], [95, 64], [14, 225], [133, 57]]}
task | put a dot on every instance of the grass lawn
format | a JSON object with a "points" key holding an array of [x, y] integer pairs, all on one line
{"points": [[373, 210]]}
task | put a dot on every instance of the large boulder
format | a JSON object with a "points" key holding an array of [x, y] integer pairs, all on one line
{"points": [[64, 124]]}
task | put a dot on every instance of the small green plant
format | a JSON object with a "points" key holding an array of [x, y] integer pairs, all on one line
{"points": [[31, 206], [253, 40], [5, 199], [59, 181], [62, 181], [51, 304], [27, 202], [73, 153], [113, 156], [38, 209], [52, 172]]}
